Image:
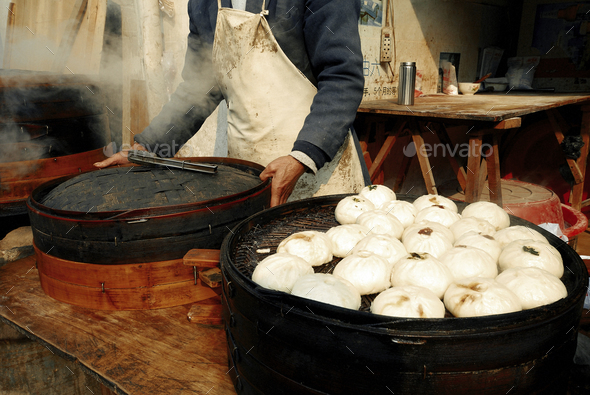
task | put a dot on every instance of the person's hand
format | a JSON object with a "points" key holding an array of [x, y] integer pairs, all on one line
{"points": [[284, 171], [120, 158]]}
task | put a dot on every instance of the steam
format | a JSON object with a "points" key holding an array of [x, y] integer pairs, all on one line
{"points": [[27, 113]]}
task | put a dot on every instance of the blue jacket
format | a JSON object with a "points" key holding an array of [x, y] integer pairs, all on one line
{"points": [[319, 36]]}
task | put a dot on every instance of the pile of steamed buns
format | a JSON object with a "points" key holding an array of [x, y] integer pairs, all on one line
{"points": [[418, 259]]}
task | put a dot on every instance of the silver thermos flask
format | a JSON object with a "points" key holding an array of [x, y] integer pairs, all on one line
{"points": [[407, 83]]}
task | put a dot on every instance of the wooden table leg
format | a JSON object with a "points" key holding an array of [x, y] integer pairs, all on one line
{"points": [[444, 138], [403, 168], [559, 126], [493, 167], [472, 188], [474, 185], [383, 153], [423, 160], [578, 189]]}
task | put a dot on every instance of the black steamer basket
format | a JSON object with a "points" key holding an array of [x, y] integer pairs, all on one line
{"points": [[139, 214], [283, 344]]}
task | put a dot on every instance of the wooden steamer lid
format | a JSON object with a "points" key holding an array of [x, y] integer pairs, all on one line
{"points": [[114, 239]]}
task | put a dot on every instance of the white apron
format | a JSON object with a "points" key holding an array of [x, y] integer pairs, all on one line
{"points": [[268, 99]]}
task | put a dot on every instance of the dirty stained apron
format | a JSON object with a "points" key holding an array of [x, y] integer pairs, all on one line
{"points": [[268, 99]]}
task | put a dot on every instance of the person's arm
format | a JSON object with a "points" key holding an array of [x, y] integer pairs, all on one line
{"points": [[334, 49], [333, 45], [192, 102]]}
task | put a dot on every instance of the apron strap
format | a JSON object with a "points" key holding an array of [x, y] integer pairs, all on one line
{"points": [[263, 11]]}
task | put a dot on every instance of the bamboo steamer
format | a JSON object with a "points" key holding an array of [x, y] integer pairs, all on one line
{"points": [[282, 344], [114, 239]]}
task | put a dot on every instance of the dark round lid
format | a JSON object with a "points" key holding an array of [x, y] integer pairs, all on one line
{"points": [[128, 188]]}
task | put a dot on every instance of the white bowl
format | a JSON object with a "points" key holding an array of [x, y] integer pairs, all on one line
{"points": [[469, 88]]}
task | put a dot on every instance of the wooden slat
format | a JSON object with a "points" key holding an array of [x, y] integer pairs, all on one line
{"points": [[493, 170], [473, 164], [404, 166], [211, 277], [162, 296], [381, 156], [205, 314], [375, 169], [483, 175], [423, 160], [136, 275], [120, 287], [558, 120], [378, 179], [202, 258], [510, 123], [8, 42], [459, 171], [70, 33], [557, 123]]}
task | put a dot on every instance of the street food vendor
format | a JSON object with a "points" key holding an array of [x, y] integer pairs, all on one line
{"points": [[291, 74]]}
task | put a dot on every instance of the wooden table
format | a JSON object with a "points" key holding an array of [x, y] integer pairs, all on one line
{"points": [[129, 352], [486, 116]]}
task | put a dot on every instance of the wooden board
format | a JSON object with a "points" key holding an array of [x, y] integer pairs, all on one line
{"points": [[29, 368], [211, 277], [42, 26], [131, 352], [486, 108]]}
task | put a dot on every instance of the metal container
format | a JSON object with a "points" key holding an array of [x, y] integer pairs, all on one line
{"points": [[407, 83], [283, 344]]}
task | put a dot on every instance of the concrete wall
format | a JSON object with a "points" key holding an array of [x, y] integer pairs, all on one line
{"points": [[425, 28]]}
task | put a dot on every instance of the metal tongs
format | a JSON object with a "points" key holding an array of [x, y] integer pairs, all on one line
{"points": [[147, 158]]}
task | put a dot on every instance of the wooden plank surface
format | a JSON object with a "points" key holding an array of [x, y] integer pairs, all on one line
{"points": [[70, 33], [131, 352], [9, 35], [486, 107]]}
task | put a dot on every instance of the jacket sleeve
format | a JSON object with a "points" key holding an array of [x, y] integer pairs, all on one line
{"points": [[192, 102], [334, 49]]}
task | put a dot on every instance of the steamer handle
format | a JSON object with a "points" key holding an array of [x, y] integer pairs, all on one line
{"points": [[226, 284], [233, 351]]}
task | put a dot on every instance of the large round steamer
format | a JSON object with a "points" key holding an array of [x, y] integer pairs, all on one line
{"points": [[51, 125], [283, 344], [131, 256]]}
